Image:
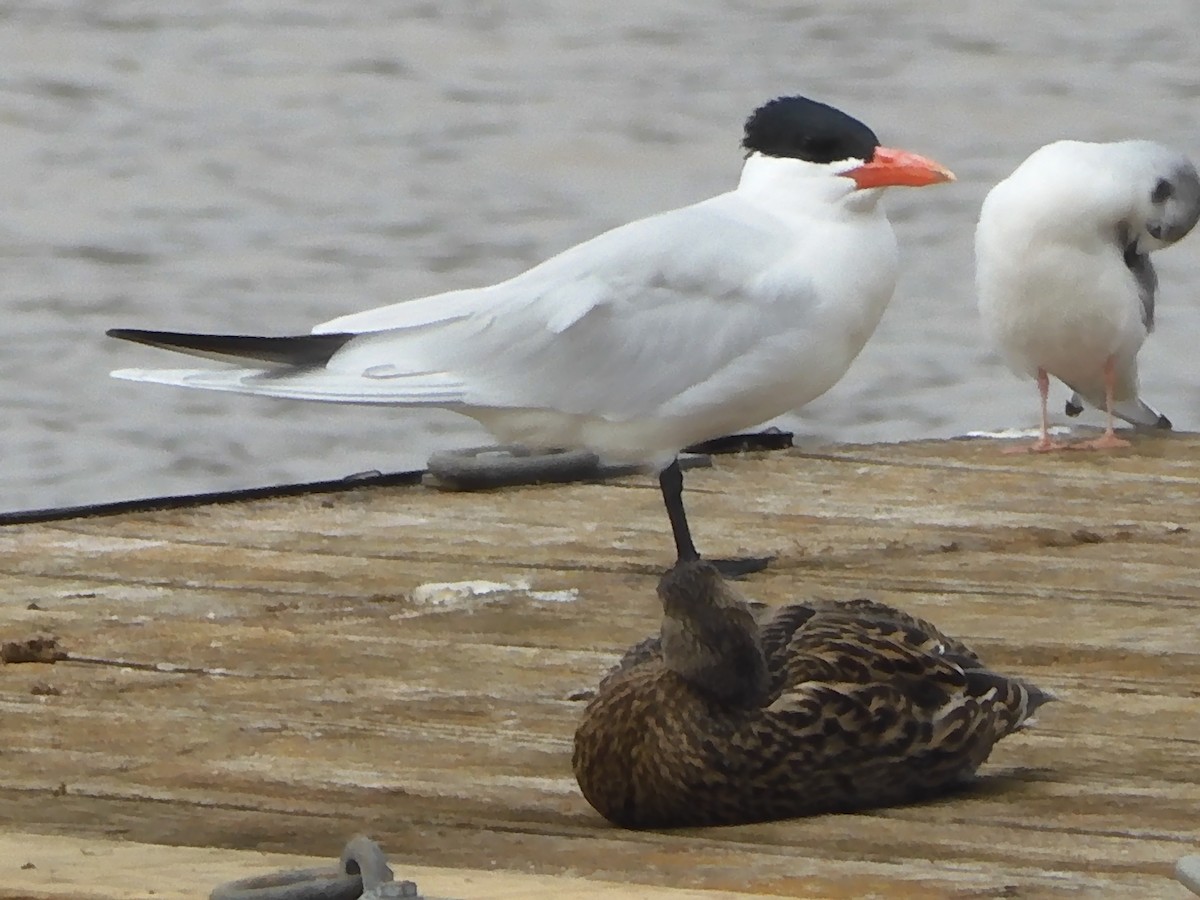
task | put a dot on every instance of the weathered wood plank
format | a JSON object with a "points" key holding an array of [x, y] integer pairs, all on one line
{"points": [[57, 868], [443, 729]]}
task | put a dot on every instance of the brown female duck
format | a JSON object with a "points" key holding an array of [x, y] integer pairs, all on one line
{"points": [[818, 707]]}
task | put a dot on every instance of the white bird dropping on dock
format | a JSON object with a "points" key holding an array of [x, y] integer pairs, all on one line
{"points": [[662, 333], [1066, 287]]}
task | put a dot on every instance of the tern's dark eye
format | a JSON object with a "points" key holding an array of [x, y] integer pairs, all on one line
{"points": [[1162, 191]]}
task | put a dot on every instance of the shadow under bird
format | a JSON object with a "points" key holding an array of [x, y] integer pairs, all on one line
{"points": [[1063, 272], [659, 334], [730, 716]]}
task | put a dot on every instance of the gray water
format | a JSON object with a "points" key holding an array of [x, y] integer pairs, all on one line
{"points": [[257, 166]]}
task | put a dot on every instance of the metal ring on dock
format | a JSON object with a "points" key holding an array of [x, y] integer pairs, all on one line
{"points": [[508, 465], [1187, 870], [746, 442], [363, 872]]}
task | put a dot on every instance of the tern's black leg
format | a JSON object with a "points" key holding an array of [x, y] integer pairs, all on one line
{"points": [[670, 480]]}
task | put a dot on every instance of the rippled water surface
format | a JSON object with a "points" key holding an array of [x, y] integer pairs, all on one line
{"points": [[253, 166]]}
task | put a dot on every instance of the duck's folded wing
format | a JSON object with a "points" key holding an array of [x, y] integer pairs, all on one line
{"points": [[886, 621], [843, 646], [885, 722], [869, 650], [850, 723]]}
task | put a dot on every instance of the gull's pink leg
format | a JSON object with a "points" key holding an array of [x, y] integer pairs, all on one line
{"points": [[1108, 440], [1044, 444]]}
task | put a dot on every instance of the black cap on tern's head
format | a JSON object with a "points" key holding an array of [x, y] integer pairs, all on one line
{"points": [[804, 129]]}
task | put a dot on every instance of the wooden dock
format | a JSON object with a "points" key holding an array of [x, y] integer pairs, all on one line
{"points": [[279, 674]]}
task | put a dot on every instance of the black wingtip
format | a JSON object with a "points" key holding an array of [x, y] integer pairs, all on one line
{"points": [[297, 350], [1072, 409]]}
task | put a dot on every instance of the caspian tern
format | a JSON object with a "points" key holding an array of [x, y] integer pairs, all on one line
{"points": [[1063, 272], [659, 334]]}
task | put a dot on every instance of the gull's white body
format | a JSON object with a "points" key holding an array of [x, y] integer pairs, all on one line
{"points": [[670, 330], [1054, 290]]}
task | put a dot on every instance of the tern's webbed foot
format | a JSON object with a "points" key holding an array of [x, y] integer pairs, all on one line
{"points": [[1104, 442], [1045, 445]]}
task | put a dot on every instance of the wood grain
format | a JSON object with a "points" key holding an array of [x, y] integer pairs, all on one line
{"points": [[295, 684]]}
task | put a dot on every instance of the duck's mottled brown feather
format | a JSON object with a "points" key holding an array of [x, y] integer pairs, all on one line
{"points": [[861, 705]]}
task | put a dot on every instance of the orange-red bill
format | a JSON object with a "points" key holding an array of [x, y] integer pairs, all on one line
{"points": [[897, 168]]}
